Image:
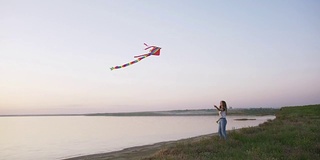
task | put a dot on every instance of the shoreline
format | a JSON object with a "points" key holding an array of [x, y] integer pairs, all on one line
{"points": [[139, 152], [144, 151]]}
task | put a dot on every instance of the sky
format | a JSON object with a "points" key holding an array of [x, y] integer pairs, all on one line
{"points": [[55, 55]]}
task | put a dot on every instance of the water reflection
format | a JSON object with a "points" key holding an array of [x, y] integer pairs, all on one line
{"points": [[27, 138]]}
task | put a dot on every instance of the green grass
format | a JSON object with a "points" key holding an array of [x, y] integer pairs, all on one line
{"points": [[294, 134]]}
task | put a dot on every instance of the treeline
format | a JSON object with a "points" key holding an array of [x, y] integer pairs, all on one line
{"points": [[196, 112]]}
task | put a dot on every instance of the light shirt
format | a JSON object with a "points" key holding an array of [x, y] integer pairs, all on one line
{"points": [[222, 114]]}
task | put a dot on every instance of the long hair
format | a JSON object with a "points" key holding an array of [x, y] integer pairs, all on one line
{"points": [[224, 106]]}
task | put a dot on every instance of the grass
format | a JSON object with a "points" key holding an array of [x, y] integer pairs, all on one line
{"points": [[253, 111], [294, 134]]}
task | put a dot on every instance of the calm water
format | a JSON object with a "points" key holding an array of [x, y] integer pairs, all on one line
{"points": [[29, 138]]}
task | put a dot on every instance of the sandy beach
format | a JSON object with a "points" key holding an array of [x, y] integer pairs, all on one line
{"points": [[135, 153]]}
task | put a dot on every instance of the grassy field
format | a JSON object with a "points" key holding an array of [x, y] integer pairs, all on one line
{"points": [[294, 134]]}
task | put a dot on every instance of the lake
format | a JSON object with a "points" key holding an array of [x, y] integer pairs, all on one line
{"points": [[59, 137]]}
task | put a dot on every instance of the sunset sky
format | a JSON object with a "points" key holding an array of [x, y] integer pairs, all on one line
{"points": [[55, 55]]}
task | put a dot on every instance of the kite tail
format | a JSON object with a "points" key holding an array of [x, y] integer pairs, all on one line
{"points": [[130, 63], [148, 54], [153, 51]]}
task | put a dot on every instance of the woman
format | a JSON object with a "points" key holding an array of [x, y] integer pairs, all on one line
{"points": [[222, 120]]}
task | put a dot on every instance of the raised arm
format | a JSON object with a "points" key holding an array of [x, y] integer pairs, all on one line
{"points": [[219, 109]]}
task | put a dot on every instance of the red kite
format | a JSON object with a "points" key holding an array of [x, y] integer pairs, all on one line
{"points": [[154, 50]]}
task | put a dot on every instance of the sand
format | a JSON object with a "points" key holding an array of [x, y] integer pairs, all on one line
{"points": [[135, 153]]}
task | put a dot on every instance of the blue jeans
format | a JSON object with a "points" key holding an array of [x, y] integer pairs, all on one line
{"points": [[222, 128]]}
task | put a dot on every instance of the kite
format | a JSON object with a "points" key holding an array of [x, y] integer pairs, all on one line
{"points": [[154, 51]]}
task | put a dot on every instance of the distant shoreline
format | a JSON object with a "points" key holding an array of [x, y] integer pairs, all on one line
{"points": [[195, 112], [41, 115]]}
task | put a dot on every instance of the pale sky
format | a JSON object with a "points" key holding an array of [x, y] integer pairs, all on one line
{"points": [[55, 55]]}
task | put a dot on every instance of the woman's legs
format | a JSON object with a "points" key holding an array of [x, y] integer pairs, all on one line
{"points": [[222, 128]]}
